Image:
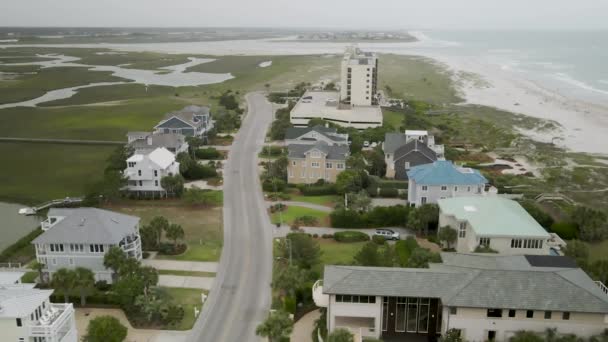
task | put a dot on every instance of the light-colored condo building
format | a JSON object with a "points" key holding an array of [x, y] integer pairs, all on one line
{"points": [[481, 297], [355, 105], [493, 222], [311, 163], [429, 183], [80, 237], [145, 171], [359, 78], [27, 315]]}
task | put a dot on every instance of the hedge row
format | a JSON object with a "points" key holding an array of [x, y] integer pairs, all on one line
{"points": [[350, 236], [208, 153], [565, 230], [318, 190], [376, 182], [404, 249], [376, 217]]}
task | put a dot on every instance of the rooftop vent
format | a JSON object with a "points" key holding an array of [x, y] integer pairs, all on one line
{"points": [[115, 221], [82, 222], [470, 208]]}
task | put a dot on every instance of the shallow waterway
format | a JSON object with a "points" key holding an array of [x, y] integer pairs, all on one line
{"points": [[14, 226]]}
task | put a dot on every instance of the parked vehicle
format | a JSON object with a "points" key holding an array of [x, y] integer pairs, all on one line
{"points": [[388, 234]]}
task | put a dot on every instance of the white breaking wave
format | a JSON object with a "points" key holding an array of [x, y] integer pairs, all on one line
{"points": [[579, 84]]}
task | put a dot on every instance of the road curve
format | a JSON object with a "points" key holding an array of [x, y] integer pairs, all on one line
{"points": [[240, 297]]}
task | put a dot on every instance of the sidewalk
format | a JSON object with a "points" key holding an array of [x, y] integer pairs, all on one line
{"points": [[174, 265], [187, 282], [284, 230]]}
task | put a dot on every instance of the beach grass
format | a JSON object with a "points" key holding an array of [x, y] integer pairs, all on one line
{"points": [[33, 173]]}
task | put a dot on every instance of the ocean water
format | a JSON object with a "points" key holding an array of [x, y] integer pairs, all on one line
{"points": [[573, 63]]}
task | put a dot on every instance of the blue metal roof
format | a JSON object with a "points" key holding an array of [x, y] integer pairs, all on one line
{"points": [[444, 172]]}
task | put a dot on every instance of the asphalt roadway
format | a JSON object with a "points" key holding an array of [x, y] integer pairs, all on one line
{"points": [[240, 297]]}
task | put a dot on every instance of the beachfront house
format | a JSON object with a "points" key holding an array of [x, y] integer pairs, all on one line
{"points": [[311, 163], [402, 152], [144, 172], [429, 183], [27, 314], [80, 237], [312, 135], [481, 297], [493, 224], [190, 121], [146, 142]]}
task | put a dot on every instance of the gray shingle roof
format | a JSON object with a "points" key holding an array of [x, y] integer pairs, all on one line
{"points": [[507, 282], [167, 140], [412, 146], [334, 152], [296, 132], [88, 225], [392, 141], [186, 114]]}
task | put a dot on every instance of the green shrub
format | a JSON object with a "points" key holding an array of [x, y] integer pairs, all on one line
{"points": [[343, 218], [273, 151], [289, 304], [350, 236], [318, 190], [380, 240], [207, 153], [388, 192], [274, 185], [197, 171], [433, 239], [306, 221], [565, 230], [404, 249]]}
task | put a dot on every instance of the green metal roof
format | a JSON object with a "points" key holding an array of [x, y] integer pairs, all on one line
{"points": [[493, 216]]}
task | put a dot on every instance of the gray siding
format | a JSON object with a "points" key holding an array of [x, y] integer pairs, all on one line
{"points": [[414, 158]]}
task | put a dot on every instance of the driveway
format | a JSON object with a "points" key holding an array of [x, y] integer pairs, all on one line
{"points": [[303, 328], [205, 283], [174, 265], [240, 297]]}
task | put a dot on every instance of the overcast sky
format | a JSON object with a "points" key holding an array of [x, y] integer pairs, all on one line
{"points": [[467, 14]]}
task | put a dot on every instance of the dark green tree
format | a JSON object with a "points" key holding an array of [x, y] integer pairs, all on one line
{"points": [[159, 224], [84, 283], [448, 235], [105, 329], [114, 258], [421, 257], [277, 325], [174, 232], [63, 282], [305, 251]]}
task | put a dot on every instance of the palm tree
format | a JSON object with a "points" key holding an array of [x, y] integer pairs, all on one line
{"points": [[175, 232], [39, 267], [114, 259], [84, 283], [276, 326], [158, 224], [64, 282]]}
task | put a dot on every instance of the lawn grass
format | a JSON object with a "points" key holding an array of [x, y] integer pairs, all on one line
{"points": [[293, 212], [392, 118], [188, 299], [30, 86], [336, 253], [328, 200], [186, 273], [33, 173], [202, 226], [597, 251]]}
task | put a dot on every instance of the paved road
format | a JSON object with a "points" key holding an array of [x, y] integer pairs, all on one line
{"points": [[240, 297]]}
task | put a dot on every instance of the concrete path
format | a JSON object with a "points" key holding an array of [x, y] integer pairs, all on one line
{"points": [[205, 283], [284, 230], [84, 316], [305, 205], [218, 147], [174, 265], [303, 328]]}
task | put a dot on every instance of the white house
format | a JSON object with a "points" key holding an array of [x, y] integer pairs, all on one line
{"points": [[493, 222], [27, 315], [481, 297], [80, 237], [145, 171], [429, 183], [145, 142]]}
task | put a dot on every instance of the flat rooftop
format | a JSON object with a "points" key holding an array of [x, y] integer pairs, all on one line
{"points": [[493, 216], [325, 105]]}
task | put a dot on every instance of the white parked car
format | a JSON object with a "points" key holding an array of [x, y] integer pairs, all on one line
{"points": [[366, 143], [388, 234]]}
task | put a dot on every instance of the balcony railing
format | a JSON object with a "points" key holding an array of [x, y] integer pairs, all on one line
{"points": [[321, 299], [602, 287], [54, 324]]}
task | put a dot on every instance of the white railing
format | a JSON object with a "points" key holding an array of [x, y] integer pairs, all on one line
{"points": [[10, 265], [53, 322], [320, 299], [602, 287]]}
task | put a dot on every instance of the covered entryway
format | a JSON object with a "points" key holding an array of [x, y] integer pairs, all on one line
{"points": [[410, 319]]}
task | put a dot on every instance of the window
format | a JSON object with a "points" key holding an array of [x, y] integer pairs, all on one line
{"points": [[19, 322], [425, 188], [453, 310], [316, 165], [496, 313], [315, 154], [54, 261], [355, 299], [293, 163], [340, 166], [511, 313], [131, 164], [407, 165], [547, 314], [491, 335], [462, 230], [328, 165], [155, 183], [141, 183], [530, 314], [485, 242], [455, 189], [155, 173], [422, 200], [468, 189], [139, 172], [444, 188], [566, 316]]}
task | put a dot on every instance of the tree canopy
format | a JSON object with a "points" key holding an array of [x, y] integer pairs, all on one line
{"points": [[105, 329]]}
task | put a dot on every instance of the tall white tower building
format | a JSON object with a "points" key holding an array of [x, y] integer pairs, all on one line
{"points": [[359, 78]]}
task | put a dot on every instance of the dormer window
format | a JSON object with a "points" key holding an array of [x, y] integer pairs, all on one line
{"points": [[315, 154]]}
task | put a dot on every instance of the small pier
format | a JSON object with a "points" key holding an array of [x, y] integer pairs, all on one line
{"points": [[64, 201]]}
